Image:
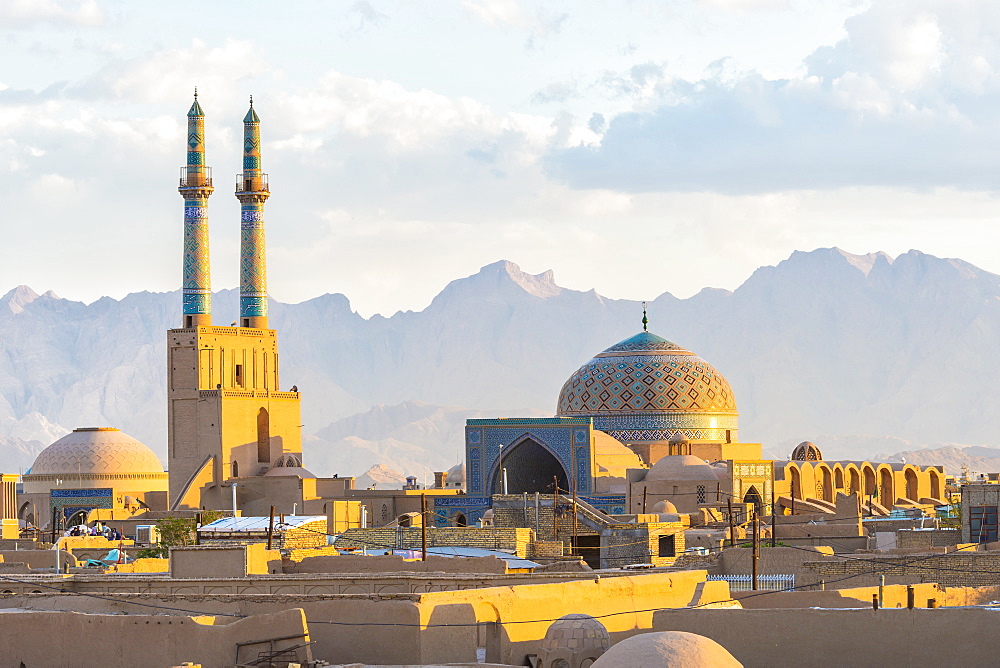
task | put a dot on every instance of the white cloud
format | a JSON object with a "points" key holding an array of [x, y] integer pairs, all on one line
{"points": [[881, 107], [23, 13]]}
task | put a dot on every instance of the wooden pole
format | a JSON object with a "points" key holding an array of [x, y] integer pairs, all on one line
{"points": [[909, 597], [576, 550], [270, 529], [732, 526], [774, 512], [423, 527], [643, 499], [793, 496], [555, 507], [756, 547]]}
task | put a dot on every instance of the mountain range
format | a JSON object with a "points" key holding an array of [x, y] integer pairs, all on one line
{"points": [[865, 351]]}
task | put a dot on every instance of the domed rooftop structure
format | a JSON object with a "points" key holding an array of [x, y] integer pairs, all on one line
{"points": [[574, 641], [456, 475], [96, 451], [664, 507], [806, 451], [681, 467], [288, 465], [646, 388], [667, 648]]}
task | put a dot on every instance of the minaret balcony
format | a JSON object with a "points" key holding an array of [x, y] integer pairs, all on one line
{"points": [[251, 182], [196, 176]]}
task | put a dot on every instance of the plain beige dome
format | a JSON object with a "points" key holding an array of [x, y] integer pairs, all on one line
{"points": [[96, 450], [681, 467], [676, 649], [664, 507]]}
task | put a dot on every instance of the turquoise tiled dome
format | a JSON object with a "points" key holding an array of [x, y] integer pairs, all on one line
{"points": [[648, 388]]}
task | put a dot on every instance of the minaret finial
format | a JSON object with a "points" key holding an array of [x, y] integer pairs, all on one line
{"points": [[196, 91], [645, 320], [251, 100]]}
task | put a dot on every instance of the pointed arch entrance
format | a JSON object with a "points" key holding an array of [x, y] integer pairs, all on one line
{"points": [[530, 468], [754, 497]]}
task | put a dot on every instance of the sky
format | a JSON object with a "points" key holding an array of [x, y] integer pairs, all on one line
{"points": [[635, 147]]}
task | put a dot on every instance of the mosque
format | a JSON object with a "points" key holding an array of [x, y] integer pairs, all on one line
{"points": [[645, 426]]}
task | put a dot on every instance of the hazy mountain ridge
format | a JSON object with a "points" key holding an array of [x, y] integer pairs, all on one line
{"points": [[823, 343]]}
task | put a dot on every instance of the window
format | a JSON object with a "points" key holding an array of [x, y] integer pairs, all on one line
{"points": [[236, 469], [263, 436], [983, 524], [239, 375], [701, 494], [667, 546]]}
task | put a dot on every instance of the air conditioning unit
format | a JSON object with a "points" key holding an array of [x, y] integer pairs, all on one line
{"points": [[147, 534]]}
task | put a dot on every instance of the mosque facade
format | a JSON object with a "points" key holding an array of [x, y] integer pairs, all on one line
{"points": [[647, 425]]}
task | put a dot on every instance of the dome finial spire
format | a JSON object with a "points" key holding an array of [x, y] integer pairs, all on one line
{"points": [[196, 92], [645, 320]]}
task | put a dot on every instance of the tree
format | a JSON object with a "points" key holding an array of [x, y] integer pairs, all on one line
{"points": [[178, 531]]}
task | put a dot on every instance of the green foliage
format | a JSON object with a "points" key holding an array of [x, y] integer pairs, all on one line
{"points": [[178, 531], [209, 516]]}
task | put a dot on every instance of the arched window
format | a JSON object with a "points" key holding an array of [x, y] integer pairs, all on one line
{"points": [[236, 469]]}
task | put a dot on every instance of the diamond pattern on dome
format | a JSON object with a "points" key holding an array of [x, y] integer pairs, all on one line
{"points": [[643, 341], [660, 376]]}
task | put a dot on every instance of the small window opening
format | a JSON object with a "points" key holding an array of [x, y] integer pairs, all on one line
{"points": [[239, 375], [667, 546]]}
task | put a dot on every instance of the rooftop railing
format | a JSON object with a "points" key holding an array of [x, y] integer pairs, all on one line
{"points": [[196, 177], [251, 183]]}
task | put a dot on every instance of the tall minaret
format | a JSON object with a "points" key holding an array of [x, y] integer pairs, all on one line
{"points": [[195, 188], [252, 192]]}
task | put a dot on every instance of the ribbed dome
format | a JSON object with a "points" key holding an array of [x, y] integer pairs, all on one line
{"points": [[647, 388], [100, 450]]}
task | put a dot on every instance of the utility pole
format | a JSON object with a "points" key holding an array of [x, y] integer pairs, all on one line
{"points": [[423, 527], [270, 529], [756, 546], [576, 549], [793, 496], [774, 513], [643, 499], [555, 507], [732, 527]]}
